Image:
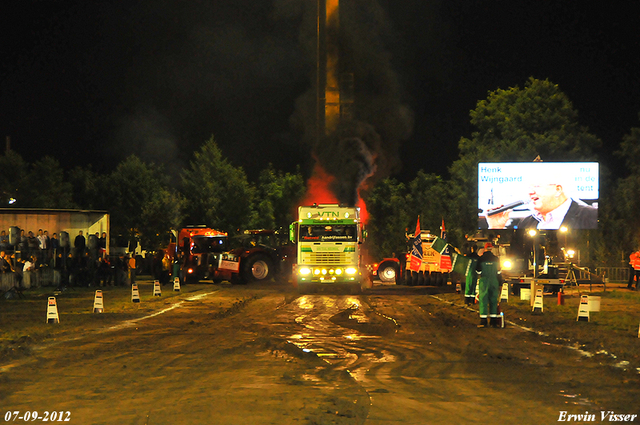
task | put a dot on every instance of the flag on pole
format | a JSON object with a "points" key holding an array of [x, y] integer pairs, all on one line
{"points": [[415, 258], [460, 263], [445, 257], [439, 245]]}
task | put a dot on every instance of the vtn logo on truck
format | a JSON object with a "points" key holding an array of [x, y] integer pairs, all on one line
{"points": [[329, 213]]}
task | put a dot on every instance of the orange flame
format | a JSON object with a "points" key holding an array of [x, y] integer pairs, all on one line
{"points": [[319, 188], [364, 214], [319, 191]]}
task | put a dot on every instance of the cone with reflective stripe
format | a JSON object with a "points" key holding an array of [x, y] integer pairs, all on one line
{"points": [[538, 303], [157, 292], [583, 311], [176, 284], [135, 294], [504, 295], [98, 306], [52, 311]]}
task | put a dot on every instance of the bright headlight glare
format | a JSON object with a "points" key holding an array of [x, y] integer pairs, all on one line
{"points": [[316, 271], [324, 271], [507, 264], [304, 271], [338, 272], [351, 270]]}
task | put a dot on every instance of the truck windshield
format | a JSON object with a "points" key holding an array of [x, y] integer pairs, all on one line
{"points": [[328, 233], [202, 244]]}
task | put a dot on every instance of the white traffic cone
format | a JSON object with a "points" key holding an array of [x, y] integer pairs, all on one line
{"points": [[504, 295], [52, 311], [135, 294], [583, 311], [538, 302], [98, 306], [176, 284]]}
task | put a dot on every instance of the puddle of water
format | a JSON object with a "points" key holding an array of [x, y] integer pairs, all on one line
{"points": [[382, 357], [304, 303], [359, 317], [576, 399], [311, 378]]}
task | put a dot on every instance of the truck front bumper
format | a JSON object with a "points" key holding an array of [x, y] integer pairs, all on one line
{"points": [[328, 274]]}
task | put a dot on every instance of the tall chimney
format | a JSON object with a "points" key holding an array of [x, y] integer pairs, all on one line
{"points": [[335, 88]]}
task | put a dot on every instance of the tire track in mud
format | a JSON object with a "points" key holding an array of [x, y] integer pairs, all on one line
{"points": [[413, 363], [206, 361], [350, 335]]}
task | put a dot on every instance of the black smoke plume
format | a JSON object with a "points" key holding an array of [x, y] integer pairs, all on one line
{"points": [[364, 148]]}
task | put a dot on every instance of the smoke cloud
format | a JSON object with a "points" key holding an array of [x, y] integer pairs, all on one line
{"points": [[365, 147]]}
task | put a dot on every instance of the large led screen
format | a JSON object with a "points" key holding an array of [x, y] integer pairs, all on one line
{"points": [[542, 195]]}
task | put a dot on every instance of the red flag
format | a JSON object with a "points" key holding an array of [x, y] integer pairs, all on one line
{"points": [[415, 258], [445, 257]]}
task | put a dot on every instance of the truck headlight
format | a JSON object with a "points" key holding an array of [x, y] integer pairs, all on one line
{"points": [[304, 271], [351, 270], [507, 265], [338, 272]]}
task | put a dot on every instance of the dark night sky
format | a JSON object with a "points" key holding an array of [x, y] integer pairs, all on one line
{"points": [[92, 82]]}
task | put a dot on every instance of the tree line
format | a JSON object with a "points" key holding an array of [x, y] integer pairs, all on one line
{"points": [[510, 125], [145, 202]]}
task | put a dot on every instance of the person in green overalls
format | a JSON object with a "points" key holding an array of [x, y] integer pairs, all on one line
{"points": [[177, 262], [471, 278], [488, 269]]}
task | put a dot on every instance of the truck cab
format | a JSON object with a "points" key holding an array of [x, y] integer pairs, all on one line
{"points": [[328, 238]]}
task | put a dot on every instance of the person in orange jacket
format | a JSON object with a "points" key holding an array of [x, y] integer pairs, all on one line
{"points": [[634, 262]]}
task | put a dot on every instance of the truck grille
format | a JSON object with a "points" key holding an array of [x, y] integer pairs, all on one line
{"points": [[327, 258]]}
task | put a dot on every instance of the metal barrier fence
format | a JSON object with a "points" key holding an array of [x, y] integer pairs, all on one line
{"points": [[7, 281], [43, 276], [614, 274]]}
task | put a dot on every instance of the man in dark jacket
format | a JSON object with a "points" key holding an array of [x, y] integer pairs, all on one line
{"points": [[578, 216], [551, 209], [80, 244], [488, 269]]}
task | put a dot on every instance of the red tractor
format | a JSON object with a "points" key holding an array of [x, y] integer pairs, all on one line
{"points": [[254, 255], [257, 255], [199, 252]]}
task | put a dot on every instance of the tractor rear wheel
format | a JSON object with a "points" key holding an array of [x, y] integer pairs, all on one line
{"points": [[387, 272], [257, 267]]}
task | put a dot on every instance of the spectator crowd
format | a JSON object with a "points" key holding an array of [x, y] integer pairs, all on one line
{"points": [[52, 260], [27, 260]]}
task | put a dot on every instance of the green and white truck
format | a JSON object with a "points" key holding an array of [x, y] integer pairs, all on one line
{"points": [[328, 240]]}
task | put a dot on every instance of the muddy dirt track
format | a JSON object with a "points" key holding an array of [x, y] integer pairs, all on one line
{"points": [[264, 355]]}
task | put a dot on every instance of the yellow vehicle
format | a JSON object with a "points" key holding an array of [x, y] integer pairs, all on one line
{"points": [[328, 239]]}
